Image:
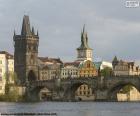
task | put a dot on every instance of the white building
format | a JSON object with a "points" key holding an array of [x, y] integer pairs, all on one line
{"points": [[103, 64], [69, 69], [6, 69], [133, 95], [124, 68]]}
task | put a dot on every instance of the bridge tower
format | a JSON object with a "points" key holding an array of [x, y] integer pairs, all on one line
{"points": [[26, 53], [84, 51]]}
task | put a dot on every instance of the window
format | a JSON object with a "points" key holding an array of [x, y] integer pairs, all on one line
{"points": [[84, 87], [35, 48], [84, 93], [88, 65]]}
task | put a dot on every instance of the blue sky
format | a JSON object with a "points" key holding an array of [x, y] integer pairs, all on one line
{"points": [[112, 28]]}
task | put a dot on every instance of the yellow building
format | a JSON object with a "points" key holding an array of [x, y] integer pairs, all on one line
{"points": [[86, 69]]}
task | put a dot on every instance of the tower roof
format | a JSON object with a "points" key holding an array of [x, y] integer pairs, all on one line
{"points": [[84, 40], [26, 30]]}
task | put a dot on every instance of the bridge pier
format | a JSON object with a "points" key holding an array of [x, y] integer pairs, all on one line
{"points": [[101, 95], [113, 98], [32, 96]]}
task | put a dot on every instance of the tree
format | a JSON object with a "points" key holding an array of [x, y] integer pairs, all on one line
{"points": [[106, 72], [126, 89], [11, 90]]}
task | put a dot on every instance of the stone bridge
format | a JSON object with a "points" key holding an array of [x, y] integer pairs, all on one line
{"points": [[104, 88]]}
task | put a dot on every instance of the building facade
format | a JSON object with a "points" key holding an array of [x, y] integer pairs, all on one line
{"points": [[87, 69], [49, 68], [6, 69], [121, 67], [133, 95], [124, 68], [69, 70]]}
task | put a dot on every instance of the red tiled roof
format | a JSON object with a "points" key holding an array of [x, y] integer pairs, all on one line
{"points": [[47, 59], [72, 63], [45, 67], [8, 55]]}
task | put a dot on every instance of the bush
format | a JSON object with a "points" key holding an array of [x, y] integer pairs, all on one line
{"points": [[11, 94]]}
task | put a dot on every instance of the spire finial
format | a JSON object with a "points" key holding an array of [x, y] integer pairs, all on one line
{"points": [[37, 33], [26, 30], [84, 39], [33, 32], [84, 28]]}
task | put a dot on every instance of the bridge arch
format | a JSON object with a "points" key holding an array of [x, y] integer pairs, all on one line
{"points": [[70, 91], [112, 92], [35, 92], [31, 76]]}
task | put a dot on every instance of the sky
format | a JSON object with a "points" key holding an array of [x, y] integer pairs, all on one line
{"points": [[112, 28]]}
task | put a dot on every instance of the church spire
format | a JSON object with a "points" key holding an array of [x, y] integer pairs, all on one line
{"points": [[84, 52], [26, 30], [84, 39]]}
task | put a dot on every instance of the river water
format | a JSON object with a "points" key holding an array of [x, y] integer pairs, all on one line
{"points": [[75, 108]]}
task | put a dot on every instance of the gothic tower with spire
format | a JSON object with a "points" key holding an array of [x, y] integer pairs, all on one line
{"points": [[26, 53], [84, 52]]}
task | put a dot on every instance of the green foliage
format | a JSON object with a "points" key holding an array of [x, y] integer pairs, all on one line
{"points": [[13, 76], [11, 94], [106, 72], [126, 89], [11, 90]]}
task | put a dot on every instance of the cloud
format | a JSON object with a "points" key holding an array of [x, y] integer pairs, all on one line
{"points": [[112, 28]]}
